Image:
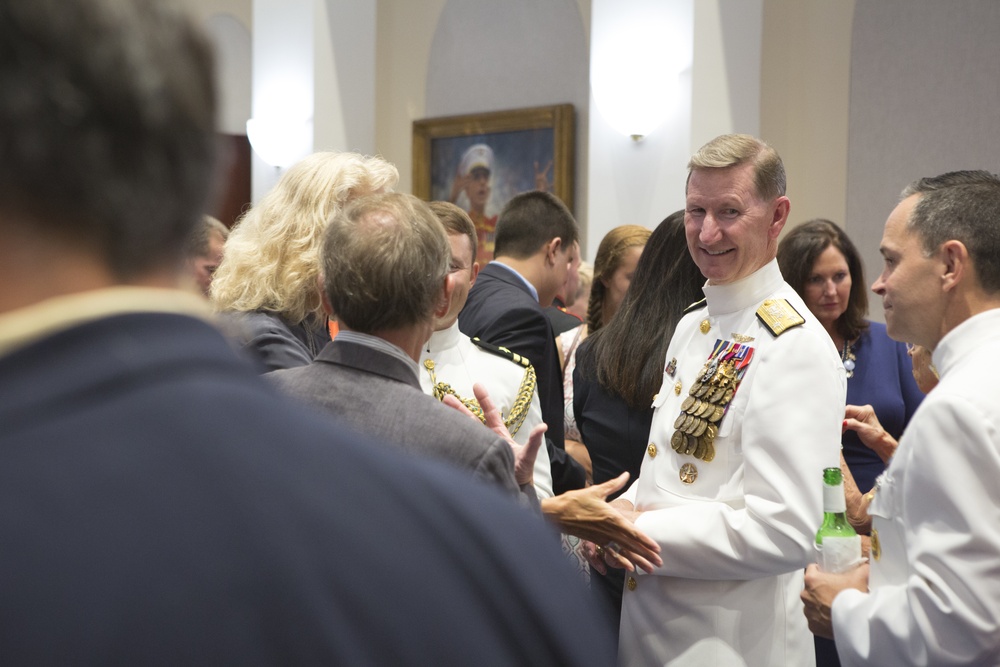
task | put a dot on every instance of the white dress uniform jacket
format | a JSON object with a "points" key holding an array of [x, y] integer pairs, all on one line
{"points": [[460, 364], [736, 532], [935, 566]]}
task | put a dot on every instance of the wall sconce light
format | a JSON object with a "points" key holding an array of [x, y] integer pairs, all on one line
{"points": [[280, 142], [635, 72]]}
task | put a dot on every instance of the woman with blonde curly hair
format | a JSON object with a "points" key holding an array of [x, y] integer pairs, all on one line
{"points": [[268, 278]]}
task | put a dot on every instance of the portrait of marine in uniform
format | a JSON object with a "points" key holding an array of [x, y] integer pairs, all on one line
{"points": [[479, 162], [480, 173]]}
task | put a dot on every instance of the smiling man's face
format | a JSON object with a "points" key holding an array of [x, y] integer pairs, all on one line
{"points": [[731, 232]]}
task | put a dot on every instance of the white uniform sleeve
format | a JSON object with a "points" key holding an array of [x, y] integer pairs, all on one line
{"points": [[947, 477]]}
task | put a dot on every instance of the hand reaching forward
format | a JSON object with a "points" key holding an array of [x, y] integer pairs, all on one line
{"points": [[583, 512], [524, 455], [862, 420], [587, 514], [857, 502]]}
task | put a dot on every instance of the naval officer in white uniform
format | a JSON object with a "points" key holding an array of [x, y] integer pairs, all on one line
{"points": [[451, 363], [933, 594], [748, 416]]}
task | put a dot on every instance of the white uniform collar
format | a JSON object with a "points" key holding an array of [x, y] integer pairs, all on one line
{"points": [[444, 339], [969, 336], [744, 293]]}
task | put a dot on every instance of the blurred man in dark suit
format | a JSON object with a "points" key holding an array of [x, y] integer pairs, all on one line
{"points": [[158, 502]]}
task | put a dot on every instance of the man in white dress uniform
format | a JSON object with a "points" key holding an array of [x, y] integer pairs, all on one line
{"points": [[933, 594], [748, 416], [450, 362]]}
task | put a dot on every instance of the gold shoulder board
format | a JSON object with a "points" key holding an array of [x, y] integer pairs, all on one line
{"points": [[779, 316], [695, 306], [501, 352]]}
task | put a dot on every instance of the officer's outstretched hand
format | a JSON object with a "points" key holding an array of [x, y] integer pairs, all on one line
{"points": [[524, 455], [612, 538]]}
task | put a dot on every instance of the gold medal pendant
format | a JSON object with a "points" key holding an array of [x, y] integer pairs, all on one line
{"points": [[688, 473]]}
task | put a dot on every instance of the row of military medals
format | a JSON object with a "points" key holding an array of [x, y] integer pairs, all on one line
{"points": [[708, 399]]}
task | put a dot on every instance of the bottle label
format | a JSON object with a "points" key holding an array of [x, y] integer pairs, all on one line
{"points": [[839, 554], [834, 499]]}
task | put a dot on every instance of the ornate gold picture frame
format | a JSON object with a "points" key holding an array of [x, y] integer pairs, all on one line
{"points": [[480, 161]]}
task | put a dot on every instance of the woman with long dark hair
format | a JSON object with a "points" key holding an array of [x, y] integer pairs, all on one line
{"points": [[620, 368]]}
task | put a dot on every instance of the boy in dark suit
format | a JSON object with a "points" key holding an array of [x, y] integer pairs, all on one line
{"points": [[536, 237]]}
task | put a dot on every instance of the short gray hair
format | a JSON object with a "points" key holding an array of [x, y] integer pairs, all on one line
{"points": [[730, 150], [947, 180], [385, 258], [968, 212]]}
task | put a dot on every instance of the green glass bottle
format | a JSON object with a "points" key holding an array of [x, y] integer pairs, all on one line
{"points": [[837, 544]]}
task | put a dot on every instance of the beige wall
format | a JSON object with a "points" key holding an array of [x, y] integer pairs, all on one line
{"points": [[804, 91], [805, 86], [805, 94], [404, 32]]}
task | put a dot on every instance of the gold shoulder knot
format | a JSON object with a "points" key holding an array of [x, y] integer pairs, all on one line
{"points": [[779, 316]]}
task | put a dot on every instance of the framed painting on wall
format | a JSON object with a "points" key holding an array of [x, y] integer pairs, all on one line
{"points": [[480, 161]]}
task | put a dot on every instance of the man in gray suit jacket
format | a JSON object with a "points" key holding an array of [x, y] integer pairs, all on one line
{"points": [[386, 274]]}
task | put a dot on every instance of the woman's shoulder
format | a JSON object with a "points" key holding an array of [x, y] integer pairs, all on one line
{"points": [[876, 335], [573, 337], [876, 338], [262, 320], [876, 328]]}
